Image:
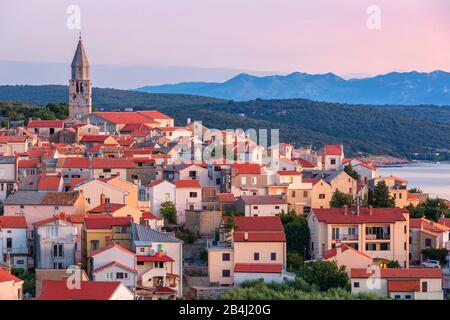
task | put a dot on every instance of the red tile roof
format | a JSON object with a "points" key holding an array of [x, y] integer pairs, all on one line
{"points": [[49, 183], [124, 117], [398, 273], [333, 150], [226, 197], [288, 173], [83, 163], [153, 114], [5, 276], [258, 267], [13, 222], [100, 163], [311, 180], [112, 245], [89, 290], [247, 168], [445, 222], [24, 164], [278, 236], [427, 225], [154, 258], [46, 124], [12, 139], [257, 223], [154, 183], [333, 252], [94, 138], [304, 163], [106, 222], [379, 215], [403, 285], [107, 208], [165, 290], [114, 263], [186, 183], [148, 215], [261, 200]]}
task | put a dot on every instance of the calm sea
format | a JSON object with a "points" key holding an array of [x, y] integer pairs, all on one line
{"points": [[432, 178]]}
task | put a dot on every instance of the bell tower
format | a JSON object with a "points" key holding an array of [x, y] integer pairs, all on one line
{"points": [[80, 85]]}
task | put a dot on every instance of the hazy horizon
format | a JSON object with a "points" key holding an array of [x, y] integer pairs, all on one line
{"points": [[176, 41]]}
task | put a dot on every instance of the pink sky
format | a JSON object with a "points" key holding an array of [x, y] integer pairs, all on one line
{"points": [[315, 36]]}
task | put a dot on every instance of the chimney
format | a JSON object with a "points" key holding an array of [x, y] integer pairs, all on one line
{"points": [[102, 198], [370, 210], [245, 236], [345, 209], [62, 216]]}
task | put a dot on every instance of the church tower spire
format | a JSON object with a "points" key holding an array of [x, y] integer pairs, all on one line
{"points": [[80, 85]]}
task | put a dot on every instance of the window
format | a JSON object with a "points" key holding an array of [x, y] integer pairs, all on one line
{"points": [[217, 181], [273, 256], [94, 245], [58, 251], [352, 231], [322, 196], [305, 194], [192, 174], [277, 207], [167, 196], [255, 207], [140, 263], [109, 276], [142, 249], [428, 242], [355, 284], [20, 262], [57, 265], [225, 257], [243, 180], [384, 246], [404, 229], [399, 195], [226, 273], [159, 265], [54, 232], [293, 194], [254, 180], [397, 296], [333, 161], [88, 200], [424, 286], [8, 243], [371, 246], [408, 297], [193, 194], [404, 245], [106, 170], [256, 256], [121, 275]]}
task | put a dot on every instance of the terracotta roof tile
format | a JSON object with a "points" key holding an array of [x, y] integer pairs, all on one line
{"points": [[89, 290]]}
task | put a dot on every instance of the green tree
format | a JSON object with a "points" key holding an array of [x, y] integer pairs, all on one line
{"points": [[351, 172], [415, 190], [29, 280], [186, 235], [432, 209], [393, 264], [380, 198], [226, 228], [168, 212], [339, 199], [297, 236], [440, 254], [294, 261], [325, 274]]}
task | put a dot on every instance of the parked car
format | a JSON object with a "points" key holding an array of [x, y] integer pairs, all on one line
{"points": [[431, 264]]}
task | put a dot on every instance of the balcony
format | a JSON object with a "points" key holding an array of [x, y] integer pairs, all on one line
{"points": [[379, 236], [345, 237], [16, 250]]}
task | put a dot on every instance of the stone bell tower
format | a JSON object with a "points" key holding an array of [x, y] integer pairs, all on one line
{"points": [[80, 85]]}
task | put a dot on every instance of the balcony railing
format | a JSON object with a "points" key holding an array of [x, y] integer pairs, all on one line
{"points": [[384, 236], [345, 237], [16, 250]]}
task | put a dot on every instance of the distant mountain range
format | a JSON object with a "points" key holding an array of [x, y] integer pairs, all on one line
{"points": [[408, 88]]}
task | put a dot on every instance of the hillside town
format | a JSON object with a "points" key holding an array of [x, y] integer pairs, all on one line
{"points": [[126, 205]]}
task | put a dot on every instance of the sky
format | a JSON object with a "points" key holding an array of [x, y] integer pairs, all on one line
{"points": [[210, 40]]}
